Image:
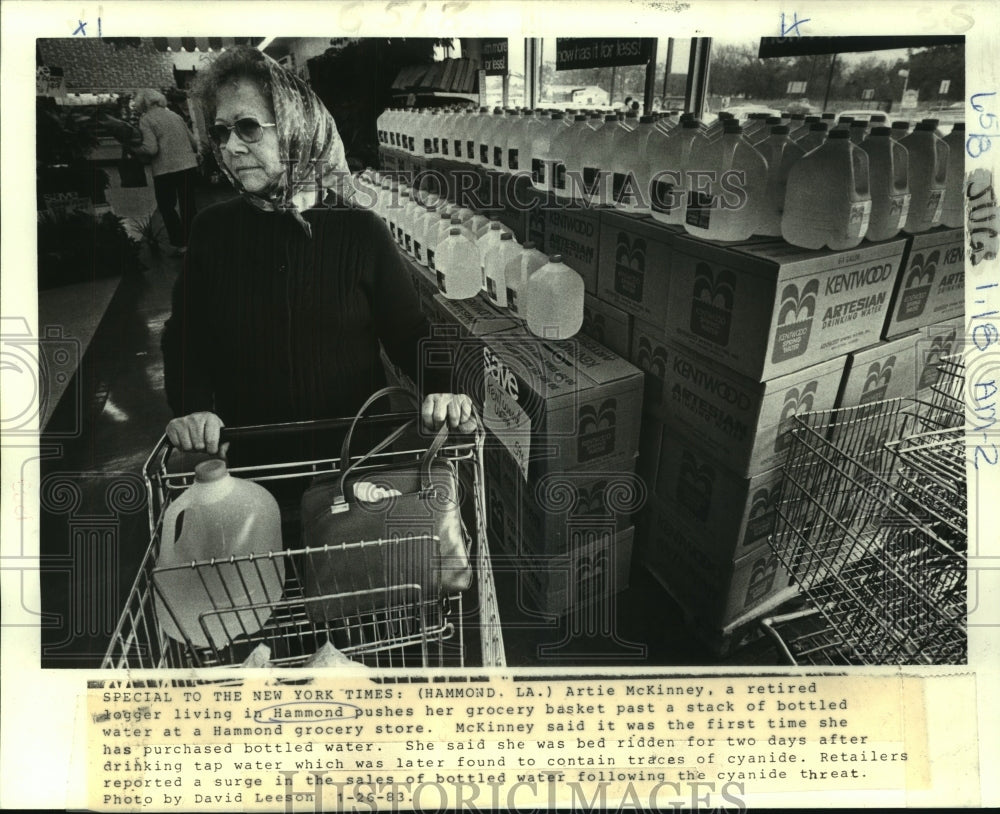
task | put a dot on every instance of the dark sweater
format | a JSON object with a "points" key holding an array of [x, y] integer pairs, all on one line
{"points": [[271, 326]]}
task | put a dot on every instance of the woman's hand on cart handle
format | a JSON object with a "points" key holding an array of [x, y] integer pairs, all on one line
{"points": [[197, 432], [454, 408]]}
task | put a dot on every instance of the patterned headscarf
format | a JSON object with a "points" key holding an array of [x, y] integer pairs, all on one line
{"points": [[308, 140]]}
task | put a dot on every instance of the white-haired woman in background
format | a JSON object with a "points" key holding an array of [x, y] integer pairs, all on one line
{"points": [[174, 153]]}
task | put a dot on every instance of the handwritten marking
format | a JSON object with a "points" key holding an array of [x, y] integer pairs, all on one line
{"points": [[81, 28], [796, 22]]}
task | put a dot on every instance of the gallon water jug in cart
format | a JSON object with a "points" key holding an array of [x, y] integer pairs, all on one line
{"points": [[888, 175], [457, 266], [517, 273], [555, 297], [495, 265], [668, 162], [780, 153], [953, 208], [726, 204], [218, 517], [827, 202], [928, 155]]}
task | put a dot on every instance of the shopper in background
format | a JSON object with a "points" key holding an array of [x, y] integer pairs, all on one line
{"points": [[282, 304], [174, 153]]}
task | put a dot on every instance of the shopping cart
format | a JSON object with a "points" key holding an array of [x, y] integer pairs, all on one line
{"points": [[382, 625], [871, 525]]}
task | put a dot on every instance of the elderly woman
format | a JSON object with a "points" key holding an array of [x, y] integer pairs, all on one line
{"points": [[174, 153], [282, 304]]}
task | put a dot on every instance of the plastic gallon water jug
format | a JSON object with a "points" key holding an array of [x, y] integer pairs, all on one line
{"points": [[519, 145], [218, 517], [815, 137], [780, 153], [726, 204], [888, 175], [764, 132], [900, 130], [827, 202], [489, 239], [668, 161], [457, 266], [486, 136], [599, 154], [437, 232], [630, 168], [857, 131], [517, 273], [928, 175], [562, 155], [555, 296], [495, 268], [953, 209], [541, 150]]}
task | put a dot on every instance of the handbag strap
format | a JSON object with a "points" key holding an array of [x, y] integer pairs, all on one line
{"points": [[340, 502], [345, 449]]}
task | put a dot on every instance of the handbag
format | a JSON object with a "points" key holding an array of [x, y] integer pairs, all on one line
{"points": [[379, 534]]}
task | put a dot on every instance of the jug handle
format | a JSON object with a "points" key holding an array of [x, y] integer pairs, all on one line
{"points": [[859, 166], [941, 151]]}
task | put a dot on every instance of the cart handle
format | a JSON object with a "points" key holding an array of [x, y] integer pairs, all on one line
{"points": [[290, 428]]}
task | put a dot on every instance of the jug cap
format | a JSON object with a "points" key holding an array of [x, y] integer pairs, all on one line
{"points": [[877, 117], [612, 117], [528, 244], [812, 119], [926, 126], [454, 230], [881, 131], [581, 117], [647, 119], [456, 219], [558, 115], [798, 117], [899, 125], [935, 122], [828, 116], [209, 471], [506, 236], [779, 130], [834, 134], [960, 126], [495, 225], [845, 120], [725, 114], [555, 258]]}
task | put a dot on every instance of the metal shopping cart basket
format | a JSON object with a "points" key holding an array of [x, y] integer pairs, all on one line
{"points": [[397, 625], [871, 526]]}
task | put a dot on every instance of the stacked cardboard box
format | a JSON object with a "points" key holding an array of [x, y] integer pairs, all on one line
{"points": [[751, 334]]}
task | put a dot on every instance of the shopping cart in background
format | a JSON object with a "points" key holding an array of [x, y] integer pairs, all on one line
{"points": [[871, 525], [382, 625]]}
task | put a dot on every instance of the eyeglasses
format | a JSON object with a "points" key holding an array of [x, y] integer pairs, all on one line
{"points": [[249, 130]]}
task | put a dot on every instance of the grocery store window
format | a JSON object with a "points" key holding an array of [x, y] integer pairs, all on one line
{"points": [[493, 94], [609, 87], [914, 83]]}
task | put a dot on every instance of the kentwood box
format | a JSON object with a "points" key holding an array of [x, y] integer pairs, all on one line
{"points": [[593, 571], [738, 420], [574, 234], [887, 370], [635, 264], [930, 287], [562, 405], [561, 511], [606, 324], [933, 344], [767, 308], [715, 593], [649, 353], [731, 515]]}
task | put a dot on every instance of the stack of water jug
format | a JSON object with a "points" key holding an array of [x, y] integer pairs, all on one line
{"points": [[469, 254], [813, 180]]}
